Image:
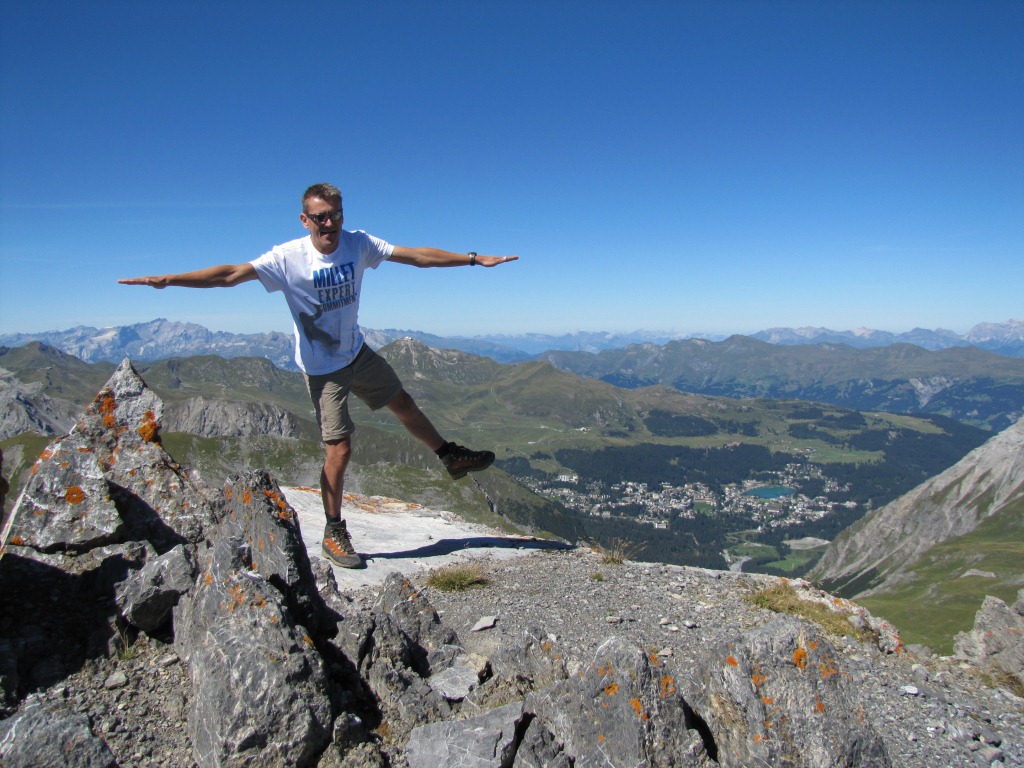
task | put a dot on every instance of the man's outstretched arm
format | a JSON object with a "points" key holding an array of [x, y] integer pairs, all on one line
{"points": [[223, 276], [433, 257]]}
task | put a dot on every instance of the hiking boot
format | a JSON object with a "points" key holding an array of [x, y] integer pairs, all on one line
{"points": [[460, 461], [337, 546]]}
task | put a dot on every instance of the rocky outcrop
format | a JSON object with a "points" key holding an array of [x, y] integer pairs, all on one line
{"points": [[25, 408], [997, 640], [220, 418], [777, 696], [112, 545], [874, 552]]}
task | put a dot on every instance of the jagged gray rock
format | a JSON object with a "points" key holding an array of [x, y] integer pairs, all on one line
{"points": [[147, 597], [416, 618], [66, 504], [776, 695], [619, 711], [260, 691], [50, 735], [997, 639], [485, 741]]}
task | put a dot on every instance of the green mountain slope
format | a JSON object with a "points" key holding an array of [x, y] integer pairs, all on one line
{"points": [[945, 587]]}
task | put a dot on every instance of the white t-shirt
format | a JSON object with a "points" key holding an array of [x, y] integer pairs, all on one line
{"points": [[323, 295]]}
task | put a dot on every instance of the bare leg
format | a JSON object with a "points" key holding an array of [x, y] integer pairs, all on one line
{"points": [[332, 479], [414, 420]]}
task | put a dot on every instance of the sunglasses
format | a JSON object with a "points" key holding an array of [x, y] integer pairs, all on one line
{"points": [[323, 218]]}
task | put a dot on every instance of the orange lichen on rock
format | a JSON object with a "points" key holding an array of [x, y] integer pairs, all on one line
{"points": [[731, 661], [246, 497], [107, 406], [819, 705], [827, 670], [758, 680], [17, 541], [283, 511], [74, 495], [668, 686], [44, 456], [800, 658], [238, 596], [611, 689], [639, 709], [149, 430]]}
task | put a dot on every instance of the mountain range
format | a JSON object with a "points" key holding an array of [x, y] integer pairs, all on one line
{"points": [[1002, 338], [964, 383], [162, 338]]}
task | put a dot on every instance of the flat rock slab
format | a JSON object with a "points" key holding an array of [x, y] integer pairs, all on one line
{"points": [[395, 536]]}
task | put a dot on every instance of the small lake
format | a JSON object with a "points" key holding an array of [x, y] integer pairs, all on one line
{"points": [[770, 492]]}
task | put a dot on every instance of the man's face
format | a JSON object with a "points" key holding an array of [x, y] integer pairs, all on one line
{"points": [[323, 220]]}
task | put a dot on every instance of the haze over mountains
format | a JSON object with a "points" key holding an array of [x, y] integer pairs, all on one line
{"points": [[161, 338]]}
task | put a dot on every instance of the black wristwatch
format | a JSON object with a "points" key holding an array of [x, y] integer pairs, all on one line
{"points": [[472, 258]]}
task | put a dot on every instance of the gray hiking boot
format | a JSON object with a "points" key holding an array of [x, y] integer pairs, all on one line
{"points": [[337, 546], [460, 461]]}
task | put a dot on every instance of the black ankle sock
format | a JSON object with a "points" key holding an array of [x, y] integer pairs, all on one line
{"points": [[443, 450]]}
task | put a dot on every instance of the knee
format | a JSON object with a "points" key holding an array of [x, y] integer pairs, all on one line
{"points": [[337, 452]]}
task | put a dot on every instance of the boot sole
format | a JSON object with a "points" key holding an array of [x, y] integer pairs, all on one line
{"points": [[463, 472]]}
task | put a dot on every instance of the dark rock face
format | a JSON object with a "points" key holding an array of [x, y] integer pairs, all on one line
{"points": [[4, 488], [52, 736], [777, 696], [619, 711], [111, 538], [259, 687]]}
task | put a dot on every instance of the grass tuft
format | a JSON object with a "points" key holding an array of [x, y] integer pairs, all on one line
{"points": [[457, 578], [126, 647], [999, 678], [782, 598], [618, 552]]}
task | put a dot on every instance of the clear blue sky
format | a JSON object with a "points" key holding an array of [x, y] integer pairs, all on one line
{"points": [[689, 166]]}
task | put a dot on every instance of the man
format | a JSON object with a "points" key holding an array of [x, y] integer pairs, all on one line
{"points": [[321, 277]]}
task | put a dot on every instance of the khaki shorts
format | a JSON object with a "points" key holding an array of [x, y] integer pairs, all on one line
{"points": [[368, 377]]}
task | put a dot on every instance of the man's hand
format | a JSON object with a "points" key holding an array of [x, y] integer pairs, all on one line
{"points": [[493, 261], [154, 281], [434, 257]]}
